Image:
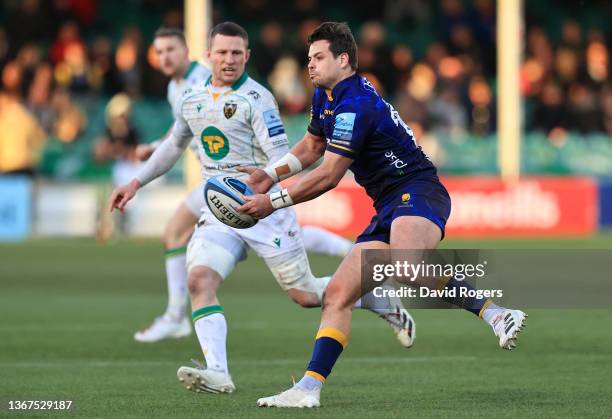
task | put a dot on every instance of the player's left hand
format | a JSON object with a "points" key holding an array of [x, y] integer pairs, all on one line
{"points": [[257, 206], [122, 195], [258, 179]]}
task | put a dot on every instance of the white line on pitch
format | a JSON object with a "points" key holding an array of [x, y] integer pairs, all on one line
{"points": [[140, 364]]}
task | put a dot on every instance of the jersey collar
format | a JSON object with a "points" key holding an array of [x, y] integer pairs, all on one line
{"points": [[343, 85], [240, 81], [236, 84]]}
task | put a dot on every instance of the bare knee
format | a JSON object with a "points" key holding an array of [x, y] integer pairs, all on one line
{"points": [[203, 283], [337, 297]]}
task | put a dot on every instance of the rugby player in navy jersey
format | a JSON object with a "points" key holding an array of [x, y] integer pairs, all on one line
{"points": [[353, 127]]}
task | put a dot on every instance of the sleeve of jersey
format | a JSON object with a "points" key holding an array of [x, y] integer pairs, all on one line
{"points": [[351, 129], [315, 125], [181, 130], [268, 126], [166, 154]]}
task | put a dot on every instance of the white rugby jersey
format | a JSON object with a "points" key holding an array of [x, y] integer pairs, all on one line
{"points": [[237, 126]]}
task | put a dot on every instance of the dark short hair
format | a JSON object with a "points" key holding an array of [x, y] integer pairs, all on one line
{"points": [[340, 39], [170, 32], [228, 29]]}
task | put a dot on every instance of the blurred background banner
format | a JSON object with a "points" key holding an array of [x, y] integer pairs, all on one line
{"points": [[15, 207], [79, 80], [532, 206], [482, 206]]}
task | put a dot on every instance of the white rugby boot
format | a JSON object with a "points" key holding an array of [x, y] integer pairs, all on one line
{"points": [[201, 379], [400, 321], [294, 397], [507, 324], [164, 327]]}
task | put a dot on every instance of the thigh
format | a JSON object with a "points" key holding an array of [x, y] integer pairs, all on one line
{"points": [[346, 283], [181, 224], [414, 232], [216, 247], [415, 237], [194, 202]]}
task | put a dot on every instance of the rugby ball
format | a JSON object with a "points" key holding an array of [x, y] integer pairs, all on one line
{"points": [[223, 194]]}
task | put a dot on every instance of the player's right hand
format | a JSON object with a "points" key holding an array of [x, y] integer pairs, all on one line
{"points": [[122, 195], [258, 179]]}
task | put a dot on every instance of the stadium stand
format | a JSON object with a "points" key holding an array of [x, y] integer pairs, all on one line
{"points": [[64, 60]]}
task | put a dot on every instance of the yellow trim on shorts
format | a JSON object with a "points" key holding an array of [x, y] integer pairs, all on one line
{"points": [[316, 375], [330, 332]]}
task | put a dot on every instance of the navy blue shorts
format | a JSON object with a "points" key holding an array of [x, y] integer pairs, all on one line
{"points": [[425, 198]]}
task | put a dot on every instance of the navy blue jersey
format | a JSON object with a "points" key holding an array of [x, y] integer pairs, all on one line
{"points": [[358, 123]]}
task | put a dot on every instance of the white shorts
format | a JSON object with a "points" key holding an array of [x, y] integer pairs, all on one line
{"points": [[195, 200], [277, 239]]}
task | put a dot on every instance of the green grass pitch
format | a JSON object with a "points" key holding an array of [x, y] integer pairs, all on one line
{"points": [[68, 309]]}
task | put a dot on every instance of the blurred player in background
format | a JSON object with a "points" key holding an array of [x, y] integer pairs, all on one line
{"points": [[352, 127], [120, 139], [173, 56], [238, 123], [117, 145]]}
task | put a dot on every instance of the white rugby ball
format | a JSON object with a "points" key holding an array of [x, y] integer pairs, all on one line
{"points": [[223, 194]]}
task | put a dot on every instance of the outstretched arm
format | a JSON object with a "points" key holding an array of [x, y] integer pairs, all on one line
{"points": [[163, 158], [270, 133], [160, 162], [310, 186], [320, 180], [303, 154], [144, 151], [309, 149]]}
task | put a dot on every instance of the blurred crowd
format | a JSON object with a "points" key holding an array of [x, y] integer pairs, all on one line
{"points": [[567, 84], [448, 88], [50, 71], [435, 62]]}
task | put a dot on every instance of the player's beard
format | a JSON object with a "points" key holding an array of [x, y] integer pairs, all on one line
{"points": [[320, 84]]}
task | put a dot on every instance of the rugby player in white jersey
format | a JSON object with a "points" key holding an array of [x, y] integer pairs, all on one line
{"points": [[172, 54], [173, 57], [236, 123]]}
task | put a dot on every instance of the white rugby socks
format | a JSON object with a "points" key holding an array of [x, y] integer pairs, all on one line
{"points": [[211, 329], [176, 277], [490, 311], [378, 305], [309, 383], [321, 241]]}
